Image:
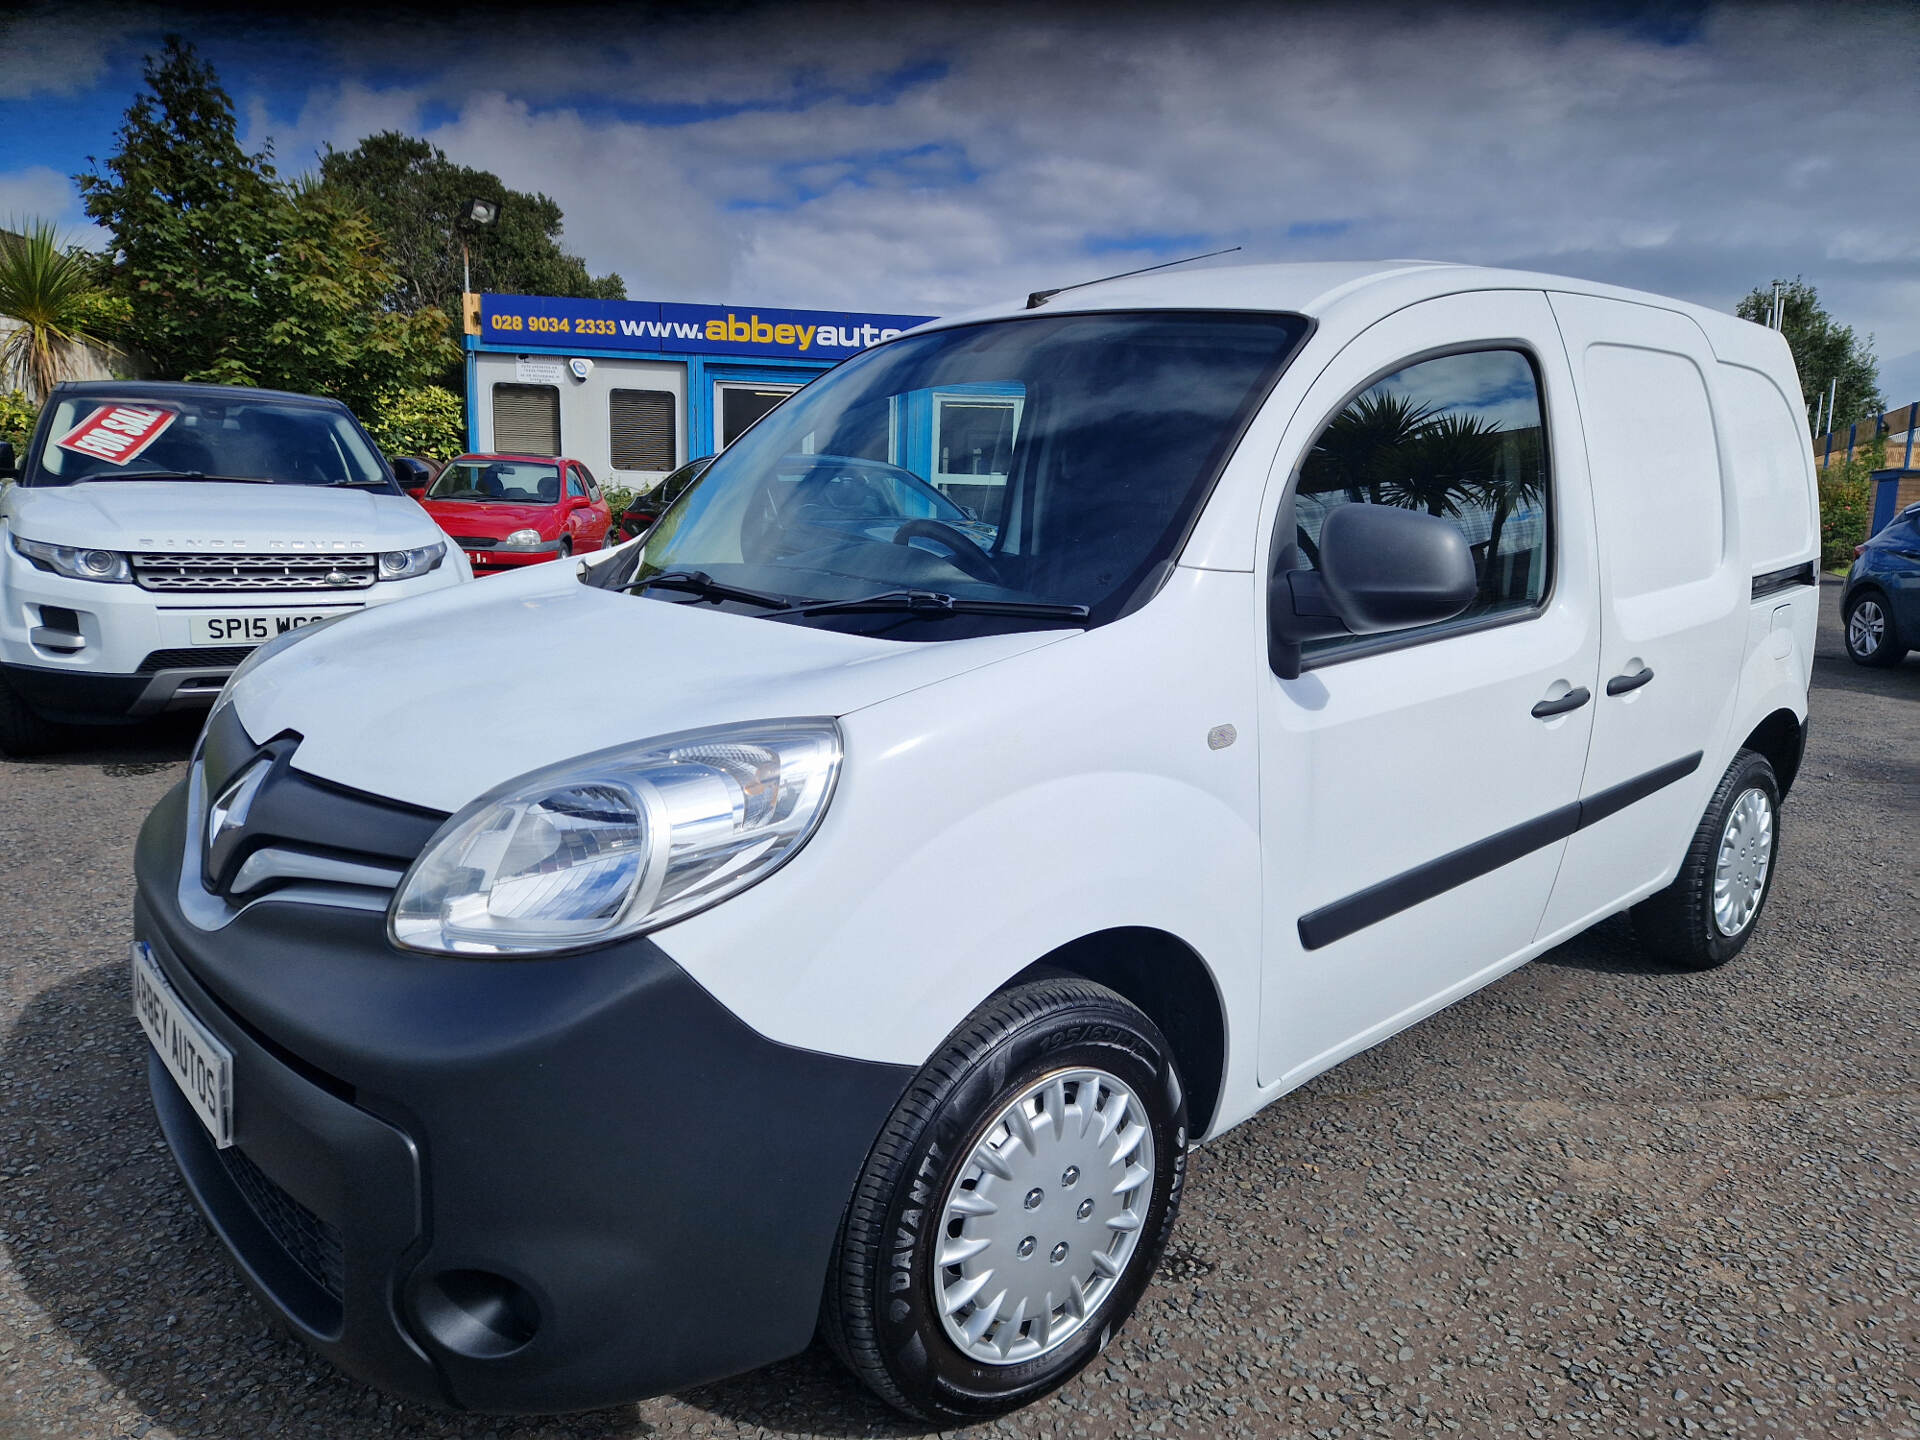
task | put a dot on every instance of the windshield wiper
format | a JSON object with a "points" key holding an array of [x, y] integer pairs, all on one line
{"points": [[936, 602], [186, 475], [698, 582], [356, 484]]}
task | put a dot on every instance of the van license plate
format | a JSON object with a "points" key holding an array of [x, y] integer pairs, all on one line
{"points": [[200, 1065], [250, 629]]}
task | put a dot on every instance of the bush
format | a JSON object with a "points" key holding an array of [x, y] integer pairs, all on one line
{"points": [[1846, 503], [618, 500], [1846, 508], [17, 414], [425, 420]]}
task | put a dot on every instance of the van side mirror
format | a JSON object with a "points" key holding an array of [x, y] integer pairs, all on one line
{"points": [[1381, 569], [9, 467]]}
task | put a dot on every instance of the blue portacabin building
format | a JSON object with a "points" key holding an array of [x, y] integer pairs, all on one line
{"points": [[636, 389]]}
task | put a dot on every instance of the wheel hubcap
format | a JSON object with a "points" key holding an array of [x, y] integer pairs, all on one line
{"points": [[1866, 628], [1044, 1216], [1746, 850]]}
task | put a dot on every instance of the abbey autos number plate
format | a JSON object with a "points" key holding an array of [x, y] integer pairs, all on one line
{"points": [[251, 627], [200, 1065]]}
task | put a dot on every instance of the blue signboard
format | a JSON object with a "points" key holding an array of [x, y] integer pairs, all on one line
{"points": [[516, 321]]}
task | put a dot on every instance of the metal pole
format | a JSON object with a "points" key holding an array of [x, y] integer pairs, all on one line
{"points": [[1819, 409], [466, 278], [1913, 413]]}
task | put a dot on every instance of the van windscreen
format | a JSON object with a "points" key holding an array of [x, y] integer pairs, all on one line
{"points": [[1052, 460]]}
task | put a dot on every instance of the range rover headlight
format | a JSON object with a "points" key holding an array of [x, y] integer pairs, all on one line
{"points": [[76, 562], [405, 564], [618, 843]]}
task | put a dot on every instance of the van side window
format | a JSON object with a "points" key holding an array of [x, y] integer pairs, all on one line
{"points": [[1459, 437]]}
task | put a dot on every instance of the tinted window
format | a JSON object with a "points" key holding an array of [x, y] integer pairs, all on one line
{"points": [[1459, 437]]}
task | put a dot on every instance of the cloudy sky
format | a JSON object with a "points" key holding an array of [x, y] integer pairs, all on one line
{"points": [[921, 158]]}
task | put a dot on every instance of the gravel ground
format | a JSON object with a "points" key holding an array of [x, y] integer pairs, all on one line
{"points": [[1594, 1199]]}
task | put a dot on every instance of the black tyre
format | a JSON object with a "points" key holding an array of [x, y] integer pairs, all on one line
{"points": [[1872, 637], [1008, 1158], [1707, 915], [22, 730]]}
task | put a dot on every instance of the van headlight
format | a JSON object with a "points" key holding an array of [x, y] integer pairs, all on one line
{"points": [[618, 843], [405, 564]]}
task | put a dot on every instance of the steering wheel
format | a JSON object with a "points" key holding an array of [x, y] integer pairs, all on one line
{"points": [[966, 554]]}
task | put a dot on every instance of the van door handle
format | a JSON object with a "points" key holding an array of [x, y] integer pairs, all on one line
{"points": [[1621, 684], [1572, 700]]}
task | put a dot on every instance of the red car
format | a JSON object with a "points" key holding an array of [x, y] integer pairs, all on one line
{"points": [[506, 511]]}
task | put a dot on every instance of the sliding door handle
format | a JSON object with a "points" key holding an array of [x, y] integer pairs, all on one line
{"points": [[1572, 700], [1621, 684]]}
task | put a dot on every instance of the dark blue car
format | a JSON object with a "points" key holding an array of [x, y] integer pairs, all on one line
{"points": [[1881, 605]]}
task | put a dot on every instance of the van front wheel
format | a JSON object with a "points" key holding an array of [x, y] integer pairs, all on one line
{"points": [[1706, 916], [1014, 1207]]}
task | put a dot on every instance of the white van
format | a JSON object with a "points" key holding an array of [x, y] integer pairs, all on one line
{"points": [[160, 531], [815, 914]]}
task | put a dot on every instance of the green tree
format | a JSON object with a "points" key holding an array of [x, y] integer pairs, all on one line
{"points": [[53, 292], [424, 420], [418, 199], [1824, 351], [234, 276]]}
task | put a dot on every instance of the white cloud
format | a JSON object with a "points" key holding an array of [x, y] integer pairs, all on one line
{"points": [[928, 159], [40, 56], [41, 193]]}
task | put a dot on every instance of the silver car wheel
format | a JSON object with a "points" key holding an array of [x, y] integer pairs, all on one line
{"points": [[1044, 1216], [1746, 852], [1866, 628]]}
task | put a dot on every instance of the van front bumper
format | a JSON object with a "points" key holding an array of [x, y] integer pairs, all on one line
{"points": [[517, 1186]]}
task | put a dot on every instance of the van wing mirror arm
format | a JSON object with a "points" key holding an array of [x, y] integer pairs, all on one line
{"points": [[1298, 609]]}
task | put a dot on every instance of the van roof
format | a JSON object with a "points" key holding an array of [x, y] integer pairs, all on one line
{"points": [[1320, 288]]}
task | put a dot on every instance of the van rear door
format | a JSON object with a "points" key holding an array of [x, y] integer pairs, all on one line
{"points": [[1673, 601]]}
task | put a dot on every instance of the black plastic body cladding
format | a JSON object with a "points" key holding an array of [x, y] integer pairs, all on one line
{"points": [[595, 1128]]}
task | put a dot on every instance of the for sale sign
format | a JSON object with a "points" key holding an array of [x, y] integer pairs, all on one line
{"points": [[117, 433]]}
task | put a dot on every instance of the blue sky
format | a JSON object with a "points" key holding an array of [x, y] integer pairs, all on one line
{"points": [[922, 160]]}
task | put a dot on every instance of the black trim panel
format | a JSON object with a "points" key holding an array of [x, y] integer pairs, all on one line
{"points": [[1774, 581], [1409, 888]]}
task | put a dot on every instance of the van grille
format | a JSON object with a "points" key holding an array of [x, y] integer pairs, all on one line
{"points": [[338, 571], [310, 1242]]}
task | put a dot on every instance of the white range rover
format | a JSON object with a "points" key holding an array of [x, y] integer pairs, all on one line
{"points": [[158, 532]]}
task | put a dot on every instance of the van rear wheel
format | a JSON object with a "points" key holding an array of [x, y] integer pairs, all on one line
{"points": [[1014, 1207], [1707, 915]]}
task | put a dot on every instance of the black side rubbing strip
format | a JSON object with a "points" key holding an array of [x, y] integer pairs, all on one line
{"points": [[1407, 889], [1774, 581]]}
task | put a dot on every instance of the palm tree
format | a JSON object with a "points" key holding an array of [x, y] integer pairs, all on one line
{"points": [[50, 290]]}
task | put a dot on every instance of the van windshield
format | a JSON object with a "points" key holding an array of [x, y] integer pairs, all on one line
{"points": [[232, 435], [1052, 461]]}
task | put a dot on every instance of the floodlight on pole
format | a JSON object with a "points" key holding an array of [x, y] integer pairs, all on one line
{"points": [[480, 214]]}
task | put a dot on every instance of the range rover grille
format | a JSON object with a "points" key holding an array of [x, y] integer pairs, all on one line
{"points": [[337, 571]]}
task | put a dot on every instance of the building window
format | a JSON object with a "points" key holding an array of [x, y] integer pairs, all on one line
{"points": [[526, 419], [640, 429]]}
